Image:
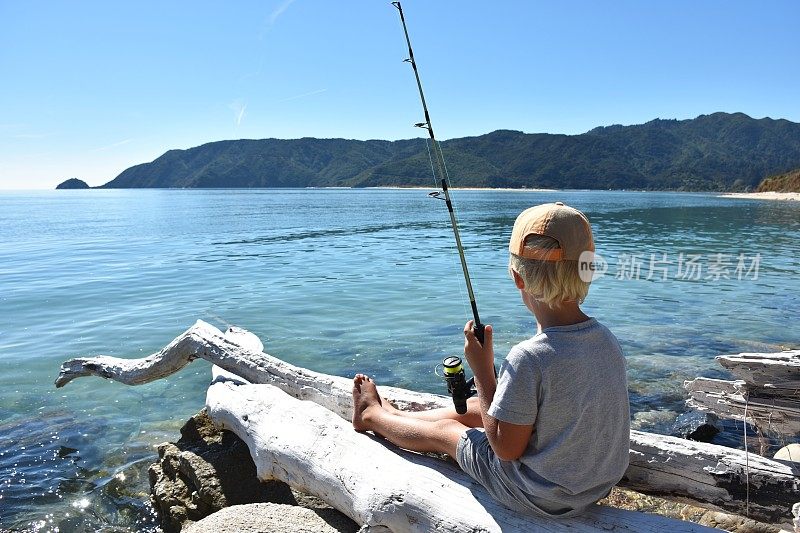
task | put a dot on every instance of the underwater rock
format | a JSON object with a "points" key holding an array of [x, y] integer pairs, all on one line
{"points": [[697, 426]]}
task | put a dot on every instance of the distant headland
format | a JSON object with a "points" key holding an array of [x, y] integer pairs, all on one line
{"points": [[719, 152], [72, 183]]}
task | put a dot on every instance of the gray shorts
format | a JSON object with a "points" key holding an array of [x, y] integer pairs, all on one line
{"points": [[476, 457]]}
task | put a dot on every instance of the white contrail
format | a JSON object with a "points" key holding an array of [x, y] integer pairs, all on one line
{"points": [[279, 11], [120, 143], [238, 107], [302, 95], [273, 17]]}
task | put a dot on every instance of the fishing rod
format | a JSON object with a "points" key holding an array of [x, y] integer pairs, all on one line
{"points": [[457, 385]]}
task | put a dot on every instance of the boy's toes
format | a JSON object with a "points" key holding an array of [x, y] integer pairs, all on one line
{"points": [[358, 379]]}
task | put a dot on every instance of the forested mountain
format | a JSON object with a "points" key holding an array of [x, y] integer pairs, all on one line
{"points": [[720, 151]]}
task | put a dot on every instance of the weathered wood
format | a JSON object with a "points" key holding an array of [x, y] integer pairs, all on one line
{"points": [[772, 370], [767, 393], [708, 475], [672, 468], [376, 484], [770, 411], [204, 341]]}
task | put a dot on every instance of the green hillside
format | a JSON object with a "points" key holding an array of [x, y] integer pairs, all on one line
{"points": [[720, 151]]}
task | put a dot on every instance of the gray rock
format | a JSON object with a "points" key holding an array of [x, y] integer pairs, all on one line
{"points": [[205, 471], [273, 518]]}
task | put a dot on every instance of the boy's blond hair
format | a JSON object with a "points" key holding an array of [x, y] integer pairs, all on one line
{"points": [[550, 282]]}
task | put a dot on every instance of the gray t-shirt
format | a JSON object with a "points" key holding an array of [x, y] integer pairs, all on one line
{"points": [[570, 383]]}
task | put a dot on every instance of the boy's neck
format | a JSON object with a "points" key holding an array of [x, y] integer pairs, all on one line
{"points": [[566, 314]]}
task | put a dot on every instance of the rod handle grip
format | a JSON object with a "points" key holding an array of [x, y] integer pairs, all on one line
{"points": [[478, 329]]}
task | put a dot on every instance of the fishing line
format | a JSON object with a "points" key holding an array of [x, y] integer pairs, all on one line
{"points": [[430, 160], [746, 458], [452, 259]]}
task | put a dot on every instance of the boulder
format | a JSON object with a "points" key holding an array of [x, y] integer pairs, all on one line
{"points": [[209, 469], [273, 518]]}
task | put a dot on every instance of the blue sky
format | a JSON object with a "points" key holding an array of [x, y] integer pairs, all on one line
{"points": [[90, 88]]}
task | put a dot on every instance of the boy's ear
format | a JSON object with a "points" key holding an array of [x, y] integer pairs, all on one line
{"points": [[518, 281]]}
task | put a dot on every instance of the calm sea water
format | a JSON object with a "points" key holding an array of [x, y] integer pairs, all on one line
{"points": [[338, 281]]}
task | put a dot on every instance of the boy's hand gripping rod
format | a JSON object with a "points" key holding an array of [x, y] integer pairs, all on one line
{"points": [[436, 150]]}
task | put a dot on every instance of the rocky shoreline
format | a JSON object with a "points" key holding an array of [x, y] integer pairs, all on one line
{"points": [[208, 470], [206, 482]]}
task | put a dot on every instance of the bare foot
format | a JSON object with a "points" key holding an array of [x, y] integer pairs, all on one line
{"points": [[383, 400], [365, 402]]}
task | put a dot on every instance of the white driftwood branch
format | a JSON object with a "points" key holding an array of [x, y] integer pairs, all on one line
{"points": [[735, 399], [713, 476], [204, 341], [376, 484], [771, 370]]}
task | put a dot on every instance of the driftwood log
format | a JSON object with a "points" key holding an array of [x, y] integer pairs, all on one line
{"points": [[704, 474], [766, 392], [771, 370]]}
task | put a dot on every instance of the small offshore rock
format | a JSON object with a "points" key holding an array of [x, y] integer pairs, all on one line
{"points": [[696, 425], [273, 517], [73, 183]]}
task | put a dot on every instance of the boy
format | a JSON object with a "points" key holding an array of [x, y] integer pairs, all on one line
{"points": [[555, 422]]}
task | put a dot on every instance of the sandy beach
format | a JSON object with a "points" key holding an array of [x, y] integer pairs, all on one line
{"points": [[433, 186], [790, 196]]}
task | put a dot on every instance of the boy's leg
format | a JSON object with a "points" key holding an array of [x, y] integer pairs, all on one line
{"points": [[472, 418], [414, 434]]}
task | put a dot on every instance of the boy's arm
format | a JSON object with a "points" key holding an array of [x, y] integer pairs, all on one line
{"points": [[508, 441]]}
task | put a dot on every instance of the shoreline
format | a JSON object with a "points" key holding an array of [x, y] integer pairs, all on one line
{"points": [[397, 188], [770, 195]]}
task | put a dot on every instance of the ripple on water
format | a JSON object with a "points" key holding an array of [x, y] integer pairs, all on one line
{"points": [[50, 481]]}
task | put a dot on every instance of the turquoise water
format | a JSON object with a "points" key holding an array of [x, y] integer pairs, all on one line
{"points": [[338, 281]]}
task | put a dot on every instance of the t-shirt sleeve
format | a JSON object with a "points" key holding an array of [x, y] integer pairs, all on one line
{"points": [[516, 398]]}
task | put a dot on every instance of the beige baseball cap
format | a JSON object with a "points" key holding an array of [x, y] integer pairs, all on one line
{"points": [[561, 222]]}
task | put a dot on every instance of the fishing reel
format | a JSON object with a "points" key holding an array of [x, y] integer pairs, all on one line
{"points": [[458, 386]]}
